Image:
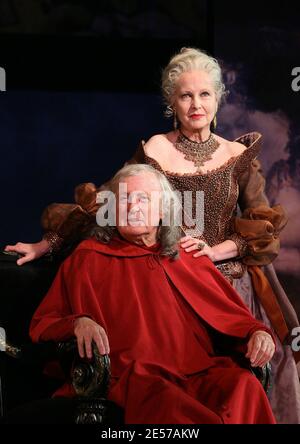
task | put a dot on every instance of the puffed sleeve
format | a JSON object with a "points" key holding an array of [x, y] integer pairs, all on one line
{"points": [[259, 225], [70, 221]]}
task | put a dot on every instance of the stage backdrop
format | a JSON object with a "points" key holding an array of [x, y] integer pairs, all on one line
{"points": [[259, 54]]}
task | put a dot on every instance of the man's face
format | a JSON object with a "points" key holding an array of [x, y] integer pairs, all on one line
{"points": [[138, 208]]}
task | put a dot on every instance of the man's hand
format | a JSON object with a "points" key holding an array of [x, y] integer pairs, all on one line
{"points": [[29, 251], [86, 331], [261, 348]]}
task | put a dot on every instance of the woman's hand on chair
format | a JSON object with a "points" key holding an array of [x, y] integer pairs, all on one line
{"points": [[29, 252]]}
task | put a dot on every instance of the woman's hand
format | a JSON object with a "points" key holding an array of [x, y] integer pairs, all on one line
{"points": [[220, 252], [86, 331], [29, 251], [261, 348], [192, 244]]}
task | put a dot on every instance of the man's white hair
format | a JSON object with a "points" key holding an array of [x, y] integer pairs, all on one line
{"points": [[169, 231]]}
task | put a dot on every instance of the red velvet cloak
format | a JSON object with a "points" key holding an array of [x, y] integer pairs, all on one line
{"points": [[157, 313]]}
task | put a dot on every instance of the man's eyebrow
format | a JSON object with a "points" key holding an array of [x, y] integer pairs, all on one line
{"points": [[138, 192]]}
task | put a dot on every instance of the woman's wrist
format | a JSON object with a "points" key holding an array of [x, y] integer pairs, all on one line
{"points": [[241, 244], [216, 254], [225, 250], [45, 246], [52, 241]]}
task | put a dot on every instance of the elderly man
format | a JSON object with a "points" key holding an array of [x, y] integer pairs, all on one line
{"points": [[130, 291]]}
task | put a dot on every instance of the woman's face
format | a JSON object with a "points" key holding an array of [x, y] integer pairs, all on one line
{"points": [[195, 100]]}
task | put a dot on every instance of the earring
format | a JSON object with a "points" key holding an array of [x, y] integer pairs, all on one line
{"points": [[214, 122], [174, 120], [169, 111]]}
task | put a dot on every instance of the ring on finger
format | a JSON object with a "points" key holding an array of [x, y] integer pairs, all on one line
{"points": [[201, 245]]}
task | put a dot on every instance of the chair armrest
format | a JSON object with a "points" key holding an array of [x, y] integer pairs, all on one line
{"points": [[264, 375], [89, 377]]}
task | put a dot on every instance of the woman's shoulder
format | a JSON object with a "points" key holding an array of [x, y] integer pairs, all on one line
{"points": [[233, 148], [244, 148], [157, 142]]}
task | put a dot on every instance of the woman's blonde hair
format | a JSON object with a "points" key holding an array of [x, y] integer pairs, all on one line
{"points": [[190, 59]]}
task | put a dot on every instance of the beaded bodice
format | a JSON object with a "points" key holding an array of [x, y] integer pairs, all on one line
{"points": [[220, 188]]}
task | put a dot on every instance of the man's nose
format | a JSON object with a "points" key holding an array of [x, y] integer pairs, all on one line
{"points": [[133, 204]]}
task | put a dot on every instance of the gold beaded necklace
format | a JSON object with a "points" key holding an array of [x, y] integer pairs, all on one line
{"points": [[197, 152]]}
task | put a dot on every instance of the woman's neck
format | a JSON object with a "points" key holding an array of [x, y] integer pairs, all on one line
{"points": [[200, 135]]}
